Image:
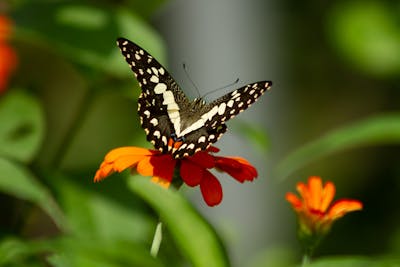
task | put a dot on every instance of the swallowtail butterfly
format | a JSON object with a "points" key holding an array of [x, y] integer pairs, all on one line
{"points": [[173, 123]]}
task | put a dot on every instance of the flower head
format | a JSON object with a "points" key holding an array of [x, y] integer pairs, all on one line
{"points": [[193, 170], [8, 58], [315, 212]]}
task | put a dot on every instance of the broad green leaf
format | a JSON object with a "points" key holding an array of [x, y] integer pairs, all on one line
{"points": [[75, 252], [383, 129], [354, 262], [86, 33], [193, 235], [16, 181], [91, 214], [22, 126], [18, 252]]}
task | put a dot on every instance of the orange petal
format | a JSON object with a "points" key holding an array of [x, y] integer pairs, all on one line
{"points": [[104, 171], [158, 180], [120, 159], [144, 167], [211, 189], [316, 191], [343, 206], [127, 150], [304, 192], [294, 200], [327, 196]]}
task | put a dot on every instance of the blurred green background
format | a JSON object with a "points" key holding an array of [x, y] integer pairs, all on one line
{"points": [[334, 111]]}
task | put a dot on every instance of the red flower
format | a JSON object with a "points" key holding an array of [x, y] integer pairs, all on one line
{"points": [[315, 212], [8, 58], [193, 170]]}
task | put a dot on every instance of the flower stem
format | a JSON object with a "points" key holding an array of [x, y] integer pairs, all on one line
{"points": [[155, 246], [306, 260]]}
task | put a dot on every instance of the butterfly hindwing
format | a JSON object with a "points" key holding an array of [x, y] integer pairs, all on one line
{"points": [[173, 123]]}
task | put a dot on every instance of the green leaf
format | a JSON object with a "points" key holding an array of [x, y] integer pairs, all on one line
{"points": [[16, 181], [91, 214], [383, 129], [193, 235], [86, 34], [15, 252], [354, 262], [367, 35], [76, 252], [22, 126]]}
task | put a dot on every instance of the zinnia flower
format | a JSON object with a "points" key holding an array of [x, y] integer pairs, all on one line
{"points": [[8, 58], [314, 210], [193, 170]]}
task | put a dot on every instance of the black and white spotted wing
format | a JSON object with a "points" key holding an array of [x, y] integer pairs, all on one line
{"points": [[173, 123]]}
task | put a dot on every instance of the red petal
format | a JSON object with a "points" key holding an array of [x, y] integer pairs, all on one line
{"points": [[238, 168], [213, 149], [203, 159], [164, 166], [191, 173], [211, 189]]}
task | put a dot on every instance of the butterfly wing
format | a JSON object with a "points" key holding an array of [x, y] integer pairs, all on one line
{"points": [[228, 106], [161, 98], [211, 124]]}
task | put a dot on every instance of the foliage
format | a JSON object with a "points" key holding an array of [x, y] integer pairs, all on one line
{"points": [[73, 98]]}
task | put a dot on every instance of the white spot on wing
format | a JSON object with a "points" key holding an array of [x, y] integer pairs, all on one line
{"points": [[221, 108], [154, 121], [154, 79], [202, 139], [164, 140], [168, 98], [191, 146], [160, 88]]}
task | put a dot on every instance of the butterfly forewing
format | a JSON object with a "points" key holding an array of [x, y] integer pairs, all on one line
{"points": [[161, 96], [173, 123], [228, 106]]}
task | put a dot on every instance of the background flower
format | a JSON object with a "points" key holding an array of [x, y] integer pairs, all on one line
{"points": [[315, 210]]}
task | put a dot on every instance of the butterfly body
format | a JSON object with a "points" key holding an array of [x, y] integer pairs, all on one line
{"points": [[173, 123]]}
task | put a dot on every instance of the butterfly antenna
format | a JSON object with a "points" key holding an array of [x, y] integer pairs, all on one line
{"points": [[223, 87], [190, 79]]}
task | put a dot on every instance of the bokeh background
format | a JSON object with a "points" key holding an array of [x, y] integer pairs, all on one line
{"points": [[333, 111]]}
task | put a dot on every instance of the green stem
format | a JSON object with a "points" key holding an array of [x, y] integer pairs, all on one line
{"points": [[80, 116], [155, 245], [306, 259]]}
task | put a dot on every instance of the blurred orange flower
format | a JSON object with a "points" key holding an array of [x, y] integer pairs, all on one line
{"points": [[8, 57], [314, 209], [193, 170]]}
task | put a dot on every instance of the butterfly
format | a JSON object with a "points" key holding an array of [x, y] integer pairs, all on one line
{"points": [[173, 123]]}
